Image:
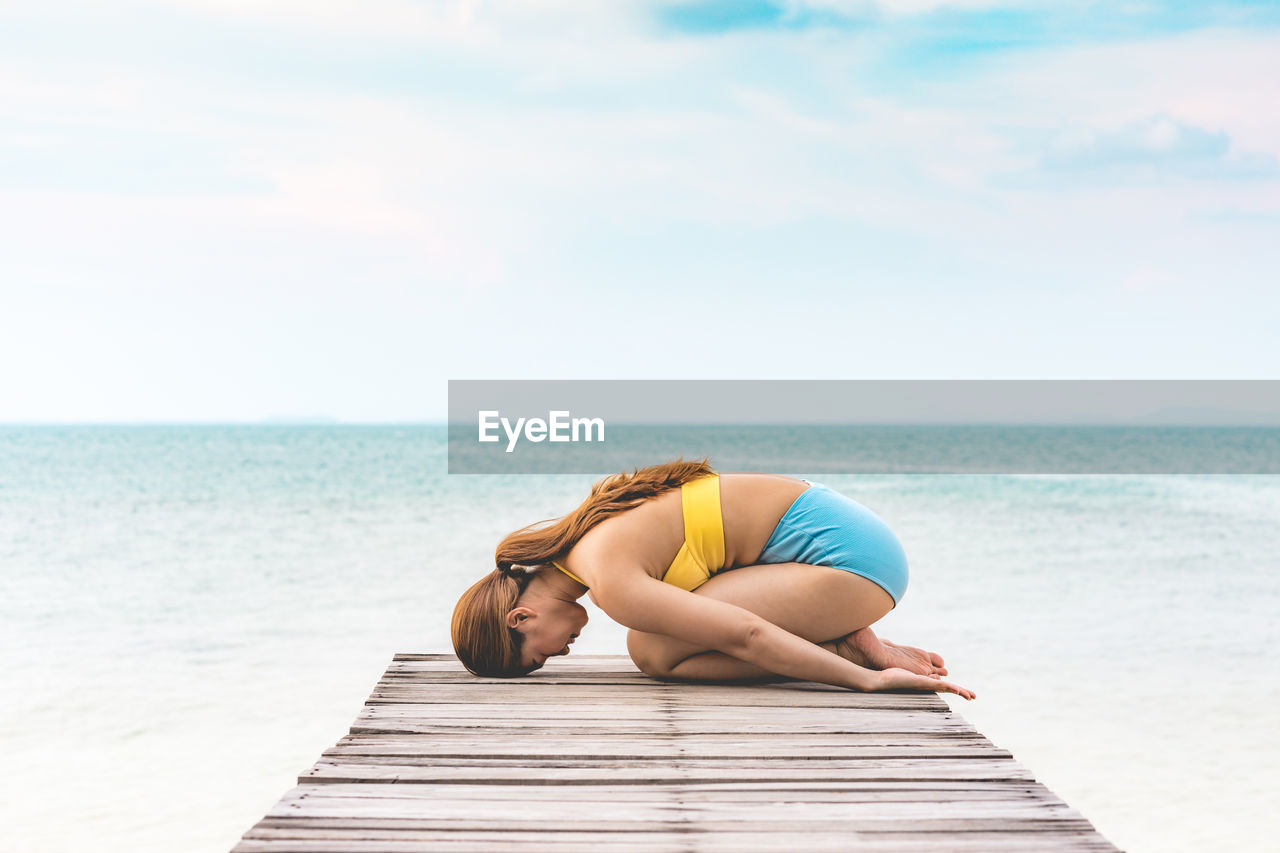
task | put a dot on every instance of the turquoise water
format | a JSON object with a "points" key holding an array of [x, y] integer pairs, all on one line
{"points": [[191, 614]]}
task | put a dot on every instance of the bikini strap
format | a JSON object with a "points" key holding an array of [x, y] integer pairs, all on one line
{"points": [[569, 573]]}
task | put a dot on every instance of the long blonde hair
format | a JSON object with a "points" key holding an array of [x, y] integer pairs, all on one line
{"points": [[482, 640]]}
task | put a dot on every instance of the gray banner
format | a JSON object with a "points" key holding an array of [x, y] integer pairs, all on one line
{"points": [[867, 426]]}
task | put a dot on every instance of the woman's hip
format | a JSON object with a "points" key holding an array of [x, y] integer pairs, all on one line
{"points": [[825, 528]]}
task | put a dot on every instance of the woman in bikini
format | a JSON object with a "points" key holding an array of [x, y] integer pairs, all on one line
{"points": [[771, 576]]}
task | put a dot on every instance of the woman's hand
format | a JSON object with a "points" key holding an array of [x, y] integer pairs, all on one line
{"points": [[901, 679]]}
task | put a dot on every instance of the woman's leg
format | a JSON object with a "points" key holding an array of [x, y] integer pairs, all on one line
{"points": [[826, 606]]}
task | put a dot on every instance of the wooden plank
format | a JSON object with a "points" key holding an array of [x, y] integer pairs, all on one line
{"points": [[674, 747], [501, 712], [590, 694], [647, 719], [715, 740], [538, 773], [773, 791], [589, 807], [686, 839], [689, 842], [675, 818], [783, 790], [408, 725], [666, 743]]}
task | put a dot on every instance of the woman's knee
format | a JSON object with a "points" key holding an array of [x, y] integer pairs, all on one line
{"points": [[645, 653]]}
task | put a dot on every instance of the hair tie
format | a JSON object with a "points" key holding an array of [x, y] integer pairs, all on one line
{"points": [[511, 570]]}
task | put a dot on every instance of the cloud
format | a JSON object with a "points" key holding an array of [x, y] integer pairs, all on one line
{"points": [[920, 7], [1157, 137], [713, 17], [710, 17], [959, 27], [1154, 144]]}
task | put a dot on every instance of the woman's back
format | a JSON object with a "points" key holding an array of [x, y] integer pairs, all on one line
{"points": [[652, 533]]}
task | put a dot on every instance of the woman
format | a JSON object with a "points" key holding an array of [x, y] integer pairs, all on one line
{"points": [[770, 576]]}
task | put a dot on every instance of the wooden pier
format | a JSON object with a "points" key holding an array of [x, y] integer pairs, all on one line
{"points": [[588, 754]]}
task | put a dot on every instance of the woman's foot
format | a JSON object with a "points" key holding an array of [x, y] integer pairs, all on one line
{"points": [[864, 648], [933, 658]]}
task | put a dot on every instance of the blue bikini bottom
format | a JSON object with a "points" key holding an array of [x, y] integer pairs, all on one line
{"points": [[826, 528]]}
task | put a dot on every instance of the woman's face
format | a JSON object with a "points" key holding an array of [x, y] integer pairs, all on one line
{"points": [[549, 627]]}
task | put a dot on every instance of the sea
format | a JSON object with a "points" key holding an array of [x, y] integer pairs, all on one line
{"points": [[190, 614]]}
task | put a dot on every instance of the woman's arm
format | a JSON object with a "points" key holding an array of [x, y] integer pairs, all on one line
{"points": [[639, 601]]}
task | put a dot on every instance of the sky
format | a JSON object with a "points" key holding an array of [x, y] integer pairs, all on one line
{"points": [[236, 210]]}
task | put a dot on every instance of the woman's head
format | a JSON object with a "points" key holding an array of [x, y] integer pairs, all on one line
{"points": [[491, 634], [511, 620]]}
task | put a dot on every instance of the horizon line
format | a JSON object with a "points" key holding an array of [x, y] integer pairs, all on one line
{"points": [[657, 424]]}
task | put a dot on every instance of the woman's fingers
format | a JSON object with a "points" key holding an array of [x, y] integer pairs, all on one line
{"points": [[900, 678], [941, 686], [956, 689]]}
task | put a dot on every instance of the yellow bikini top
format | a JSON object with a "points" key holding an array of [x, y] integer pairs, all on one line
{"points": [[702, 553]]}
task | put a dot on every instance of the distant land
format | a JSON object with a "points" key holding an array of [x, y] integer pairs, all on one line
{"points": [[1206, 416], [301, 419]]}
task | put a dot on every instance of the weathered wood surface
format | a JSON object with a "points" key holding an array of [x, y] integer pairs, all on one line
{"points": [[590, 755]]}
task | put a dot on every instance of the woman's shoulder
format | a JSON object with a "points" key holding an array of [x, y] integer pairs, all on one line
{"points": [[636, 539]]}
